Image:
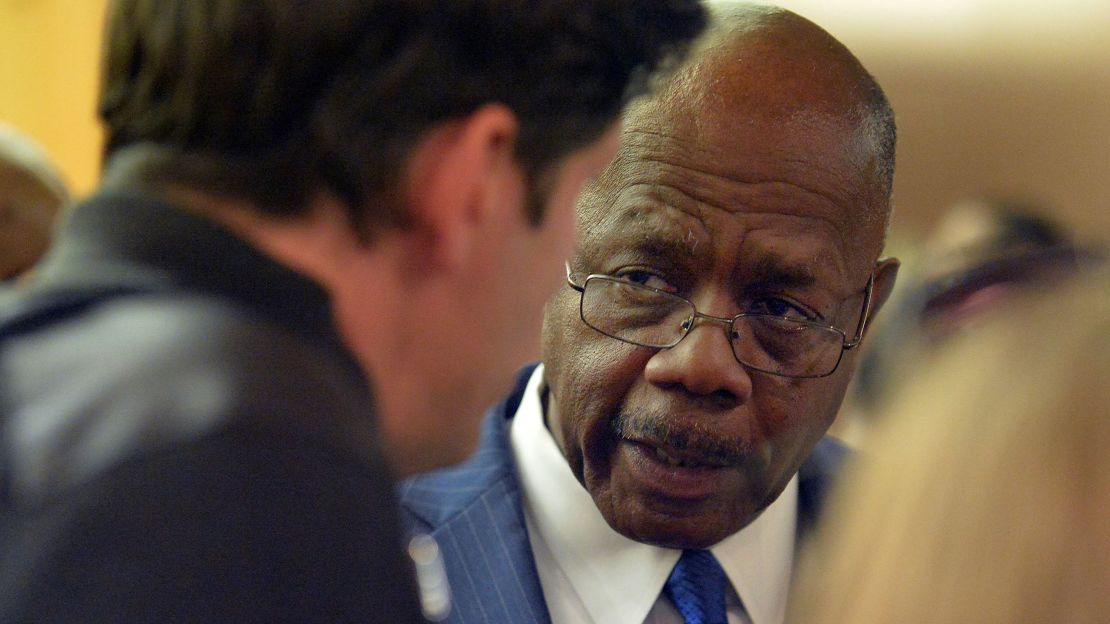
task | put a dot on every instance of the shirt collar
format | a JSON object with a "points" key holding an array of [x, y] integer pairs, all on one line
{"points": [[618, 579]]}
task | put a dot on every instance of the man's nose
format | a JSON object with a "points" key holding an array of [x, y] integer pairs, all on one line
{"points": [[702, 363]]}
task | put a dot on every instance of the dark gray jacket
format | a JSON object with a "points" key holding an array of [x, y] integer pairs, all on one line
{"points": [[184, 438]]}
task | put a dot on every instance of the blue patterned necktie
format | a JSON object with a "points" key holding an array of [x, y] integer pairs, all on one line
{"points": [[697, 588]]}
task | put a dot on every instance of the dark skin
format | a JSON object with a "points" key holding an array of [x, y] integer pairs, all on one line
{"points": [[746, 185], [27, 211]]}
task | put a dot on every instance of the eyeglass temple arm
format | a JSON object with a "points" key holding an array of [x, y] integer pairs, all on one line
{"points": [[570, 280], [854, 342]]}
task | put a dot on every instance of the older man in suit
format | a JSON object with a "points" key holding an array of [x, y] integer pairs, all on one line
{"points": [[661, 462]]}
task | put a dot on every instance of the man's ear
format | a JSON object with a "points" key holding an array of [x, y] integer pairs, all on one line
{"points": [[455, 176], [886, 272]]}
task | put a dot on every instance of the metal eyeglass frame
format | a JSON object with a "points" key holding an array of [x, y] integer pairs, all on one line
{"points": [[692, 322]]}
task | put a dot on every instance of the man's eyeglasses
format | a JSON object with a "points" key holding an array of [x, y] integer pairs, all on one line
{"points": [[649, 317]]}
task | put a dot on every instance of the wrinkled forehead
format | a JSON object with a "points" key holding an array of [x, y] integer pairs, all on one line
{"points": [[809, 150], [765, 240], [661, 183], [792, 179], [752, 134]]}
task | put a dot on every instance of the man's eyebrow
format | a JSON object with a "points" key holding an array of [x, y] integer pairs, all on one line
{"points": [[773, 269], [670, 247], [648, 243]]}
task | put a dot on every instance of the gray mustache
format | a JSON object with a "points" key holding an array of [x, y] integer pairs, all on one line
{"points": [[655, 428]]}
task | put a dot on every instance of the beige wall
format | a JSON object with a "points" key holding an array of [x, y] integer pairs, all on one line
{"points": [[49, 55], [985, 105], [991, 97], [966, 129]]}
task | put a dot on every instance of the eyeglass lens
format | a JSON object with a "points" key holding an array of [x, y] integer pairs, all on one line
{"points": [[647, 317]]}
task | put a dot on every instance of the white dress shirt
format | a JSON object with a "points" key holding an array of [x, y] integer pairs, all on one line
{"points": [[591, 573]]}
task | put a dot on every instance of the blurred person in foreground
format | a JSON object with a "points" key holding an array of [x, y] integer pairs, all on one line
{"points": [[984, 495], [298, 198], [661, 463], [31, 196]]}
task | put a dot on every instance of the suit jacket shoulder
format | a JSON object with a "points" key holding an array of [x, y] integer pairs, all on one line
{"points": [[169, 457], [475, 513]]}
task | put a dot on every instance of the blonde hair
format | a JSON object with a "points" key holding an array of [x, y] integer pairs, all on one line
{"points": [[985, 496]]}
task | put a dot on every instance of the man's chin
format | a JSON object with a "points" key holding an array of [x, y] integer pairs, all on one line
{"points": [[686, 532], [682, 534], [671, 506]]}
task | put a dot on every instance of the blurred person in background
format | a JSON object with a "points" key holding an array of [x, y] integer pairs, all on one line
{"points": [[983, 250], [982, 255], [661, 463], [298, 198], [32, 194], [984, 495]]}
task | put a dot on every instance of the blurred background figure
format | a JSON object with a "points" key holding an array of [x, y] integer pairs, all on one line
{"points": [[982, 254], [981, 251], [985, 494], [31, 196]]}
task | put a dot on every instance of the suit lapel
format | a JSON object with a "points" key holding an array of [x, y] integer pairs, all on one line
{"points": [[474, 512]]}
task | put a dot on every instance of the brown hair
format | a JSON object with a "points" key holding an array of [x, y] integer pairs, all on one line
{"points": [[273, 100]]}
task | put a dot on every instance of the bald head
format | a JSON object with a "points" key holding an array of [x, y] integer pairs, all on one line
{"points": [[765, 69], [31, 193]]}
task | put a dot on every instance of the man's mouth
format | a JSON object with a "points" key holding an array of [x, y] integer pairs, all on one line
{"points": [[677, 459], [673, 478]]}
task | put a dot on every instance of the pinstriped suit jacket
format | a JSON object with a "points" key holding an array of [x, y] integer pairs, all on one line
{"points": [[474, 511]]}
